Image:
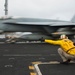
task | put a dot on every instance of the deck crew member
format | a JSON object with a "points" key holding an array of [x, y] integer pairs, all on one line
{"points": [[66, 50]]}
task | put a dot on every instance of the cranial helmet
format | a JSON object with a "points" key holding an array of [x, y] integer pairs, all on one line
{"points": [[63, 36]]}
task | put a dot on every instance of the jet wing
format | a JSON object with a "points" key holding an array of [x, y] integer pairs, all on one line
{"points": [[43, 23], [28, 23], [62, 24]]}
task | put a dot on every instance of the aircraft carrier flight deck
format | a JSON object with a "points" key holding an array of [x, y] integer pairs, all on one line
{"points": [[32, 59]]}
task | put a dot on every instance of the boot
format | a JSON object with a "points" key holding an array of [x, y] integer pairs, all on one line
{"points": [[66, 62]]}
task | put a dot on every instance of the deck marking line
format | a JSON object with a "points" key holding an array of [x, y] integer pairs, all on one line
{"points": [[39, 62], [37, 69], [31, 73], [21, 55], [31, 67]]}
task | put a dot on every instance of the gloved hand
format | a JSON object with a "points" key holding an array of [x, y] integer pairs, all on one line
{"points": [[42, 39]]}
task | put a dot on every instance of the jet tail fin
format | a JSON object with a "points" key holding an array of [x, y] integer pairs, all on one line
{"points": [[73, 19]]}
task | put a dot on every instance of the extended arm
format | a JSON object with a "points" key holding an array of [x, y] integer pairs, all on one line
{"points": [[58, 42], [53, 41]]}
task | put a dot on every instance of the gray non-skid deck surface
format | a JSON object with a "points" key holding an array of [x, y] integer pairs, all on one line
{"points": [[15, 58], [57, 69]]}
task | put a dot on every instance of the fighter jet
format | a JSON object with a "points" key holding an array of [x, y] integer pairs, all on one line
{"points": [[46, 27]]}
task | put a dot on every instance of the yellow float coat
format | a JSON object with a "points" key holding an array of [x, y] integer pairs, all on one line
{"points": [[65, 44]]}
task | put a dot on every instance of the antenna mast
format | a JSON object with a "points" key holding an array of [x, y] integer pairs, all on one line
{"points": [[6, 7]]}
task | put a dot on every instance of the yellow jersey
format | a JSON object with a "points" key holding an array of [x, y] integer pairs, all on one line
{"points": [[66, 44]]}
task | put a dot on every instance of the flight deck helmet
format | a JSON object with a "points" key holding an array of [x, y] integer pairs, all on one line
{"points": [[63, 36]]}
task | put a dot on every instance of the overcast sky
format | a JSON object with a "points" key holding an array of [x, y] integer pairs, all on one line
{"points": [[53, 9]]}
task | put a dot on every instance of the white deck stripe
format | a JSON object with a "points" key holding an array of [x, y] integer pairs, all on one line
{"points": [[22, 55], [37, 69]]}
